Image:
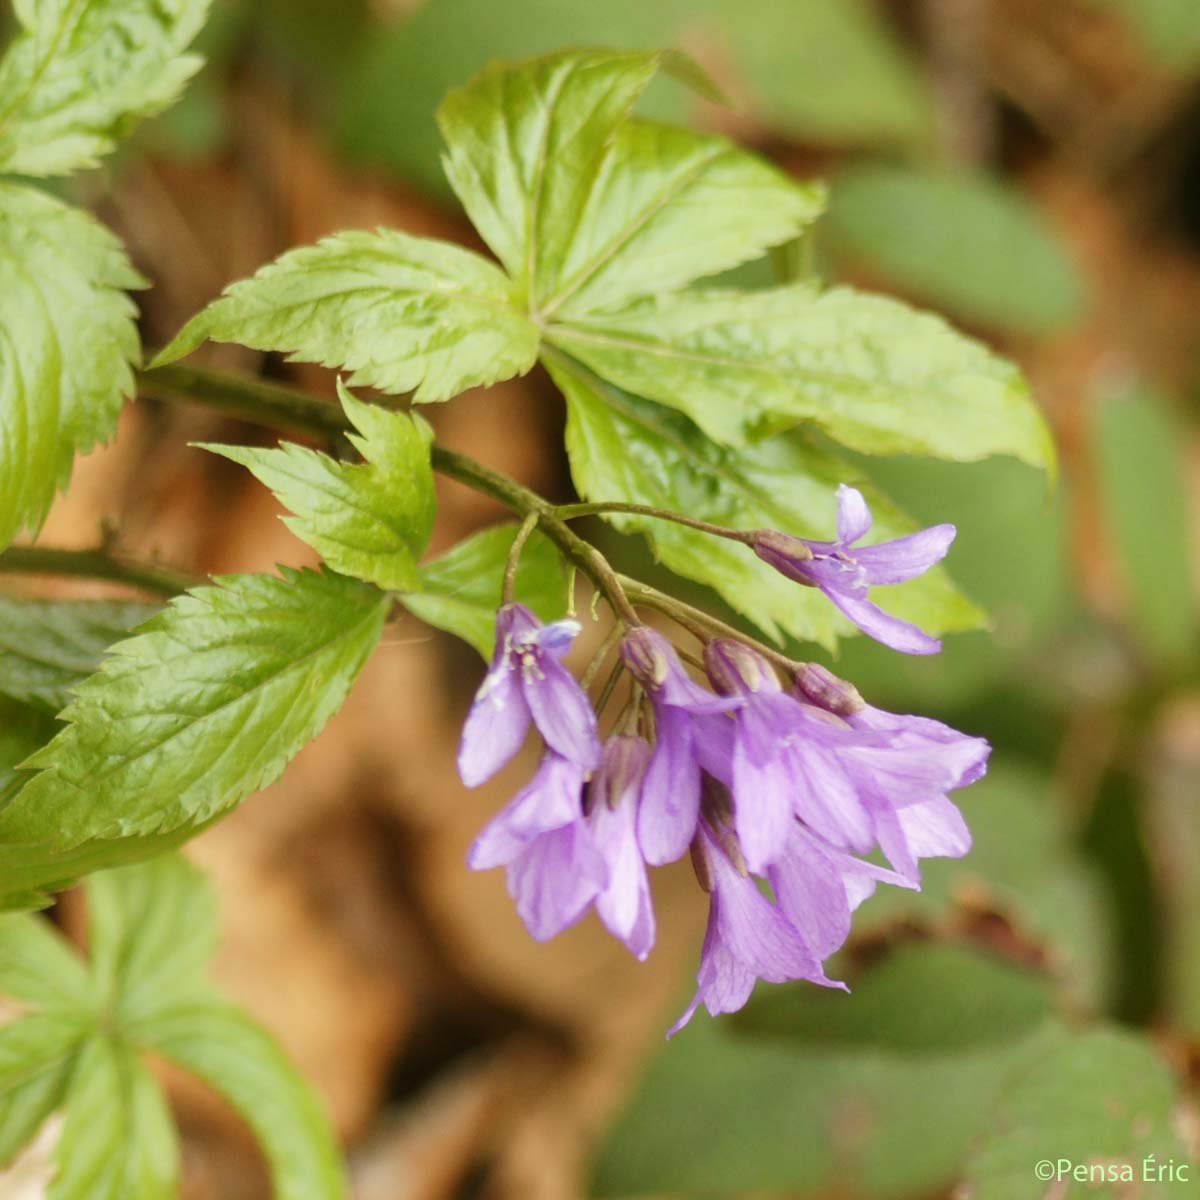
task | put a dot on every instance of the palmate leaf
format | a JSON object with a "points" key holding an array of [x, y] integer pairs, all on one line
{"points": [[203, 706], [371, 521], [67, 340], [81, 72], [400, 312], [875, 374], [627, 449], [585, 207], [48, 646], [117, 1140], [460, 591], [80, 1050]]}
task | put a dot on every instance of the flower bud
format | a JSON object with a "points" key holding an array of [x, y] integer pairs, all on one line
{"points": [[787, 554], [647, 654], [735, 669], [622, 766], [824, 689]]}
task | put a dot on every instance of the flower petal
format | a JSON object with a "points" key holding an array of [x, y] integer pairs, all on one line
{"points": [[561, 710], [670, 804], [883, 627], [853, 516], [495, 727], [552, 798], [624, 905], [905, 558], [764, 784], [555, 878]]}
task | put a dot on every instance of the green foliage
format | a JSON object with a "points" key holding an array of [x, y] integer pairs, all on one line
{"points": [[627, 449], [22, 730], [719, 1112], [460, 591], [82, 72], [371, 521], [48, 646], [1139, 450], [400, 312], [981, 1000], [873, 373], [78, 1047], [204, 705], [964, 241], [820, 70], [67, 340], [599, 218], [586, 207], [1022, 868], [1101, 1097]]}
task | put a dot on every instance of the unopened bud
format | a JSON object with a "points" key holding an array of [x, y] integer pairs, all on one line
{"points": [[824, 689], [735, 669], [787, 554], [646, 654], [621, 769]]}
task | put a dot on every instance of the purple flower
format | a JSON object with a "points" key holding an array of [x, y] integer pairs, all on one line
{"points": [[624, 904], [559, 861], [671, 789], [778, 756], [899, 773], [818, 887], [748, 938], [554, 867], [844, 573], [527, 682]]}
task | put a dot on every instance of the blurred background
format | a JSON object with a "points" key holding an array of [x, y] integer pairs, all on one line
{"points": [[1032, 170]]}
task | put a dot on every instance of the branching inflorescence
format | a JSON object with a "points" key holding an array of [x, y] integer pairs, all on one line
{"points": [[777, 771]]}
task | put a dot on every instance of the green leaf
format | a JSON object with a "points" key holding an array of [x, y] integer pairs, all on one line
{"points": [[860, 86], [968, 243], [82, 72], [48, 646], [586, 208], [1101, 1097], [152, 929], [37, 1058], [234, 1056], [718, 1113], [22, 730], [981, 1000], [626, 449], [400, 312], [203, 706], [371, 521], [460, 591], [117, 1140], [67, 340], [875, 374], [1024, 868], [1140, 449]]}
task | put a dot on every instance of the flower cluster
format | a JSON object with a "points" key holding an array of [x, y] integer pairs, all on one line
{"points": [[768, 770]]}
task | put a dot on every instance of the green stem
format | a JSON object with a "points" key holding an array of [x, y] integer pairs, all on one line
{"points": [[524, 501], [95, 564], [570, 512], [250, 399], [697, 621], [514, 557]]}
